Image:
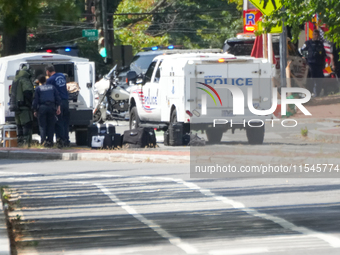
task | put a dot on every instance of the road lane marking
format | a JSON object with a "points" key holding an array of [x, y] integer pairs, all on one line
{"points": [[187, 248], [239, 251], [330, 239]]}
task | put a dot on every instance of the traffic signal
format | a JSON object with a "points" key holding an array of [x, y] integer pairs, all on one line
{"points": [[101, 43]]}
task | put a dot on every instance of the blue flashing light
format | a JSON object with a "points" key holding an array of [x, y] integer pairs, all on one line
{"points": [[67, 49], [170, 47], [154, 48]]}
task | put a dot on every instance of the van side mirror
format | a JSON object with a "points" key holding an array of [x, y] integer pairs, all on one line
{"points": [[131, 76], [140, 79]]}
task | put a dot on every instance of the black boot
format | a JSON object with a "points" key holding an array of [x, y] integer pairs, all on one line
{"points": [[20, 141]]}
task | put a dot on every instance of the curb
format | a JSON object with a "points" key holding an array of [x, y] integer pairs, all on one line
{"points": [[113, 157], [322, 136], [4, 239]]}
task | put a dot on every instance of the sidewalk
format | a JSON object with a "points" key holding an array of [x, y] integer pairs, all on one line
{"points": [[4, 240], [331, 135], [155, 155], [323, 109]]}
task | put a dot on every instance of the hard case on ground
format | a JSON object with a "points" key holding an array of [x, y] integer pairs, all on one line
{"points": [[139, 138], [99, 129]]}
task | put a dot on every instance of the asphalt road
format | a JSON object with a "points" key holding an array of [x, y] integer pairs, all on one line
{"points": [[69, 207]]}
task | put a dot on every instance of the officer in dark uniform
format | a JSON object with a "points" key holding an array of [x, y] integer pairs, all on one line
{"points": [[316, 60], [58, 80], [46, 106]]}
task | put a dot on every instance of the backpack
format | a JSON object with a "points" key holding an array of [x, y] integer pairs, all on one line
{"points": [[13, 104], [195, 140]]}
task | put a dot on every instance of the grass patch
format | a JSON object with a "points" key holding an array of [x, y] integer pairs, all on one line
{"points": [[304, 132]]}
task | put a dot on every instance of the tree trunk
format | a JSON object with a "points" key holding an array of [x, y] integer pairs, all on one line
{"points": [[14, 43]]}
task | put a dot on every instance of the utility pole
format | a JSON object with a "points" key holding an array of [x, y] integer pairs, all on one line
{"points": [[105, 29], [283, 54], [111, 38]]}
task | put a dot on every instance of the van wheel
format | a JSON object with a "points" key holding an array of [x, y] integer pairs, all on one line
{"points": [[134, 121], [255, 135], [173, 117], [214, 135]]}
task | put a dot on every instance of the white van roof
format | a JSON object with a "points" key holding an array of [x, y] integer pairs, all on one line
{"points": [[196, 56], [43, 57], [209, 57]]}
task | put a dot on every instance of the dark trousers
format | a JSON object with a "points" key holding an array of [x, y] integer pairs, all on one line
{"points": [[47, 120], [62, 125], [316, 74], [24, 120]]}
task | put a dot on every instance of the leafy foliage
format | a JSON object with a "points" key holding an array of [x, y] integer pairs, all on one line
{"points": [[298, 12], [16, 14], [130, 29], [189, 23]]}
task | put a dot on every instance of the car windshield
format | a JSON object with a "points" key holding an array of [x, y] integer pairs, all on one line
{"points": [[140, 63], [241, 49]]}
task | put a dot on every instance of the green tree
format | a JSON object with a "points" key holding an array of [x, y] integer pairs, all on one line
{"points": [[298, 12], [17, 16], [192, 23]]}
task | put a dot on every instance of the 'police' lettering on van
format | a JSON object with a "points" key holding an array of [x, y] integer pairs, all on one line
{"points": [[230, 81]]}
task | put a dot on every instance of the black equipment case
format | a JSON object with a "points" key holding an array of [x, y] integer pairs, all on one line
{"points": [[139, 138]]}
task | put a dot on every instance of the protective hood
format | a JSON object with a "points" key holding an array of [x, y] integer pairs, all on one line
{"points": [[23, 73]]}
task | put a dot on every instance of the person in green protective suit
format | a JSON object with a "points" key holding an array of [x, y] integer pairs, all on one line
{"points": [[21, 103]]}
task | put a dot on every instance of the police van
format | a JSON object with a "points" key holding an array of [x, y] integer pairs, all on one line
{"points": [[204, 91], [76, 69]]}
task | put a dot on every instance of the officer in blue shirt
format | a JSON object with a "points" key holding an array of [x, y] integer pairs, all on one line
{"points": [[62, 125], [46, 105]]}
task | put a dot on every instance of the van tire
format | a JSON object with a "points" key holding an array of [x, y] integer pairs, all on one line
{"points": [[173, 117], [255, 135], [134, 121], [81, 137], [214, 135]]}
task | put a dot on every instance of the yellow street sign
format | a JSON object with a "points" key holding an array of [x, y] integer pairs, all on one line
{"points": [[275, 30], [267, 7]]}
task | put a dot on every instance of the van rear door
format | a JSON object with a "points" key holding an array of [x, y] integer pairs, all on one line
{"points": [[4, 97], [85, 76], [210, 80]]}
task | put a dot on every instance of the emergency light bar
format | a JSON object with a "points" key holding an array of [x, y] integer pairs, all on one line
{"points": [[71, 50], [224, 60], [170, 47]]}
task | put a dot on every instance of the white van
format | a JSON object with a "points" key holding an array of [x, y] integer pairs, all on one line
{"points": [[80, 70], [189, 88]]}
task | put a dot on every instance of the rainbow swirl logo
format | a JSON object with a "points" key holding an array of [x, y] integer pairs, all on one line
{"points": [[209, 93]]}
